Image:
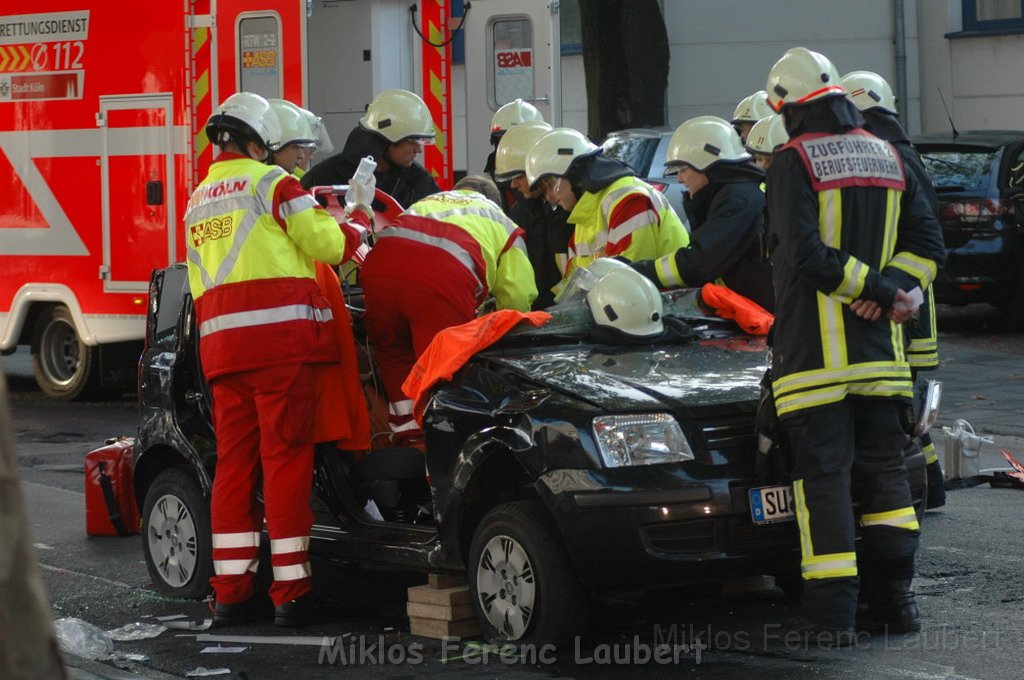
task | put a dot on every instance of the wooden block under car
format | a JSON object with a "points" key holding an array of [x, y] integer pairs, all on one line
{"points": [[446, 597], [432, 628], [440, 581], [437, 612]]}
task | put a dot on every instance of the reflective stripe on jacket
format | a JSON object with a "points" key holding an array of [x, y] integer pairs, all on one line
{"points": [[628, 218], [480, 237], [252, 234], [851, 225]]}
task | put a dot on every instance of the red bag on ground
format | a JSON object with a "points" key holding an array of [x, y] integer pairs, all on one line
{"points": [[110, 508]]}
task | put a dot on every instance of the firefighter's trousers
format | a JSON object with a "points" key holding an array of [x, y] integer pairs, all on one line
{"points": [[845, 452], [402, 317], [263, 419]]}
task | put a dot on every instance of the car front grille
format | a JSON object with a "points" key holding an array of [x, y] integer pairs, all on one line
{"points": [[682, 537], [729, 433], [743, 537]]}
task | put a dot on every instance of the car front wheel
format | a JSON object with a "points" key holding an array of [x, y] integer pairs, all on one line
{"points": [[522, 583], [176, 535]]}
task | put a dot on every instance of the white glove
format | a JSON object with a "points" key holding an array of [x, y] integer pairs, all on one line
{"points": [[360, 192], [361, 252]]}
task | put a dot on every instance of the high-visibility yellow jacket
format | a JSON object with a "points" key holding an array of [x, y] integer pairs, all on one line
{"points": [[628, 218], [475, 232], [252, 235]]}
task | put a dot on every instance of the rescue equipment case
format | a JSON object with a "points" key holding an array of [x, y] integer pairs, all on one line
{"points": [[110, 508]]}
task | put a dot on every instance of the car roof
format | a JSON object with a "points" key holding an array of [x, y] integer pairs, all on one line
{"points": [[991, 138], [641, 132]]}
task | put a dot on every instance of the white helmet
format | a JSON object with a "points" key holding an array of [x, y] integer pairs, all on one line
{"points": [[752, 108], [624, 299], [399, 115], [247, 116], [868, 90], [802, 76], [512, 114], [552, 154], [703, 141], [767, 135], [510, 158], [319, 130], [294, 124]]}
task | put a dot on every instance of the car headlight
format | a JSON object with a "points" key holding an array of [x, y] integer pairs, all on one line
{"points": [[640, 439]]}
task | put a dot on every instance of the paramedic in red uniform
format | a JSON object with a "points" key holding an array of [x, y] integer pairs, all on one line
{"points": [[431, 270], [252, 237]]}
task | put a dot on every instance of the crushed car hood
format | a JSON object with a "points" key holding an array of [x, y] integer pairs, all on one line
{"points": [[681, 377]]}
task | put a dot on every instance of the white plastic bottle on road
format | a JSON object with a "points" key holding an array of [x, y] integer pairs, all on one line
{"points": [[363, 178]]}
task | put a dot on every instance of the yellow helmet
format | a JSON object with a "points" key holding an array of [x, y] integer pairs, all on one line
{"points": [[552, 154], [752, 108], [802, 76], [510, 158], [512, 114], [294, 124], [703, 141], [767, 135], [868, 90], [398, 115]]}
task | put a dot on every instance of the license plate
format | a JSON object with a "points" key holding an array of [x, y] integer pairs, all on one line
{"points": [[772, 504]]}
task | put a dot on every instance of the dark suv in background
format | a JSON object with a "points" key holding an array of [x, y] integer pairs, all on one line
{"points": [[979, 179]]}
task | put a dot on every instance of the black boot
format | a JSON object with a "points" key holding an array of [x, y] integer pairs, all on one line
{"points": [[295, 613], [936, 486], [889, 607], [252, 610]]}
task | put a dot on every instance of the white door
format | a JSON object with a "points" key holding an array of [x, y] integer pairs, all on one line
{"points": [[137, 149], [512, 51]]}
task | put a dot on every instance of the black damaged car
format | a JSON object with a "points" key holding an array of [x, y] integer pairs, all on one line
{"points": [[554, 466]]}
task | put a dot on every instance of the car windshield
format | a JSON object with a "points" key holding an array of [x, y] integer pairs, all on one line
{"points": [[635, 150], [959, 169]]}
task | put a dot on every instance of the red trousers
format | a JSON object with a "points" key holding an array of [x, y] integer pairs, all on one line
{"points": [[402, 317], [263, 420]]}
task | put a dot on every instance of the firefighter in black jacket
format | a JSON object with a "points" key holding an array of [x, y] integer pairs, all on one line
{"points": [[725, 207], [857, 243], [546, 226], [396, 126], [872, 95]]}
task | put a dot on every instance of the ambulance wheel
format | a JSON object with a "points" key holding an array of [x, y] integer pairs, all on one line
{"points": [[521, 581], [64, 366], [176, 535]]}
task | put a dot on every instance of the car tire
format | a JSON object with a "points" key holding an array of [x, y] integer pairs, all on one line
{"points": [[64, 367], [176, 537], [522, 583]]}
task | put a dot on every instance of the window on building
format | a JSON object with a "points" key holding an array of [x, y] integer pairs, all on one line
{"points": [[259, 51], [993, 15], [511, 42], [569, 29]]}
